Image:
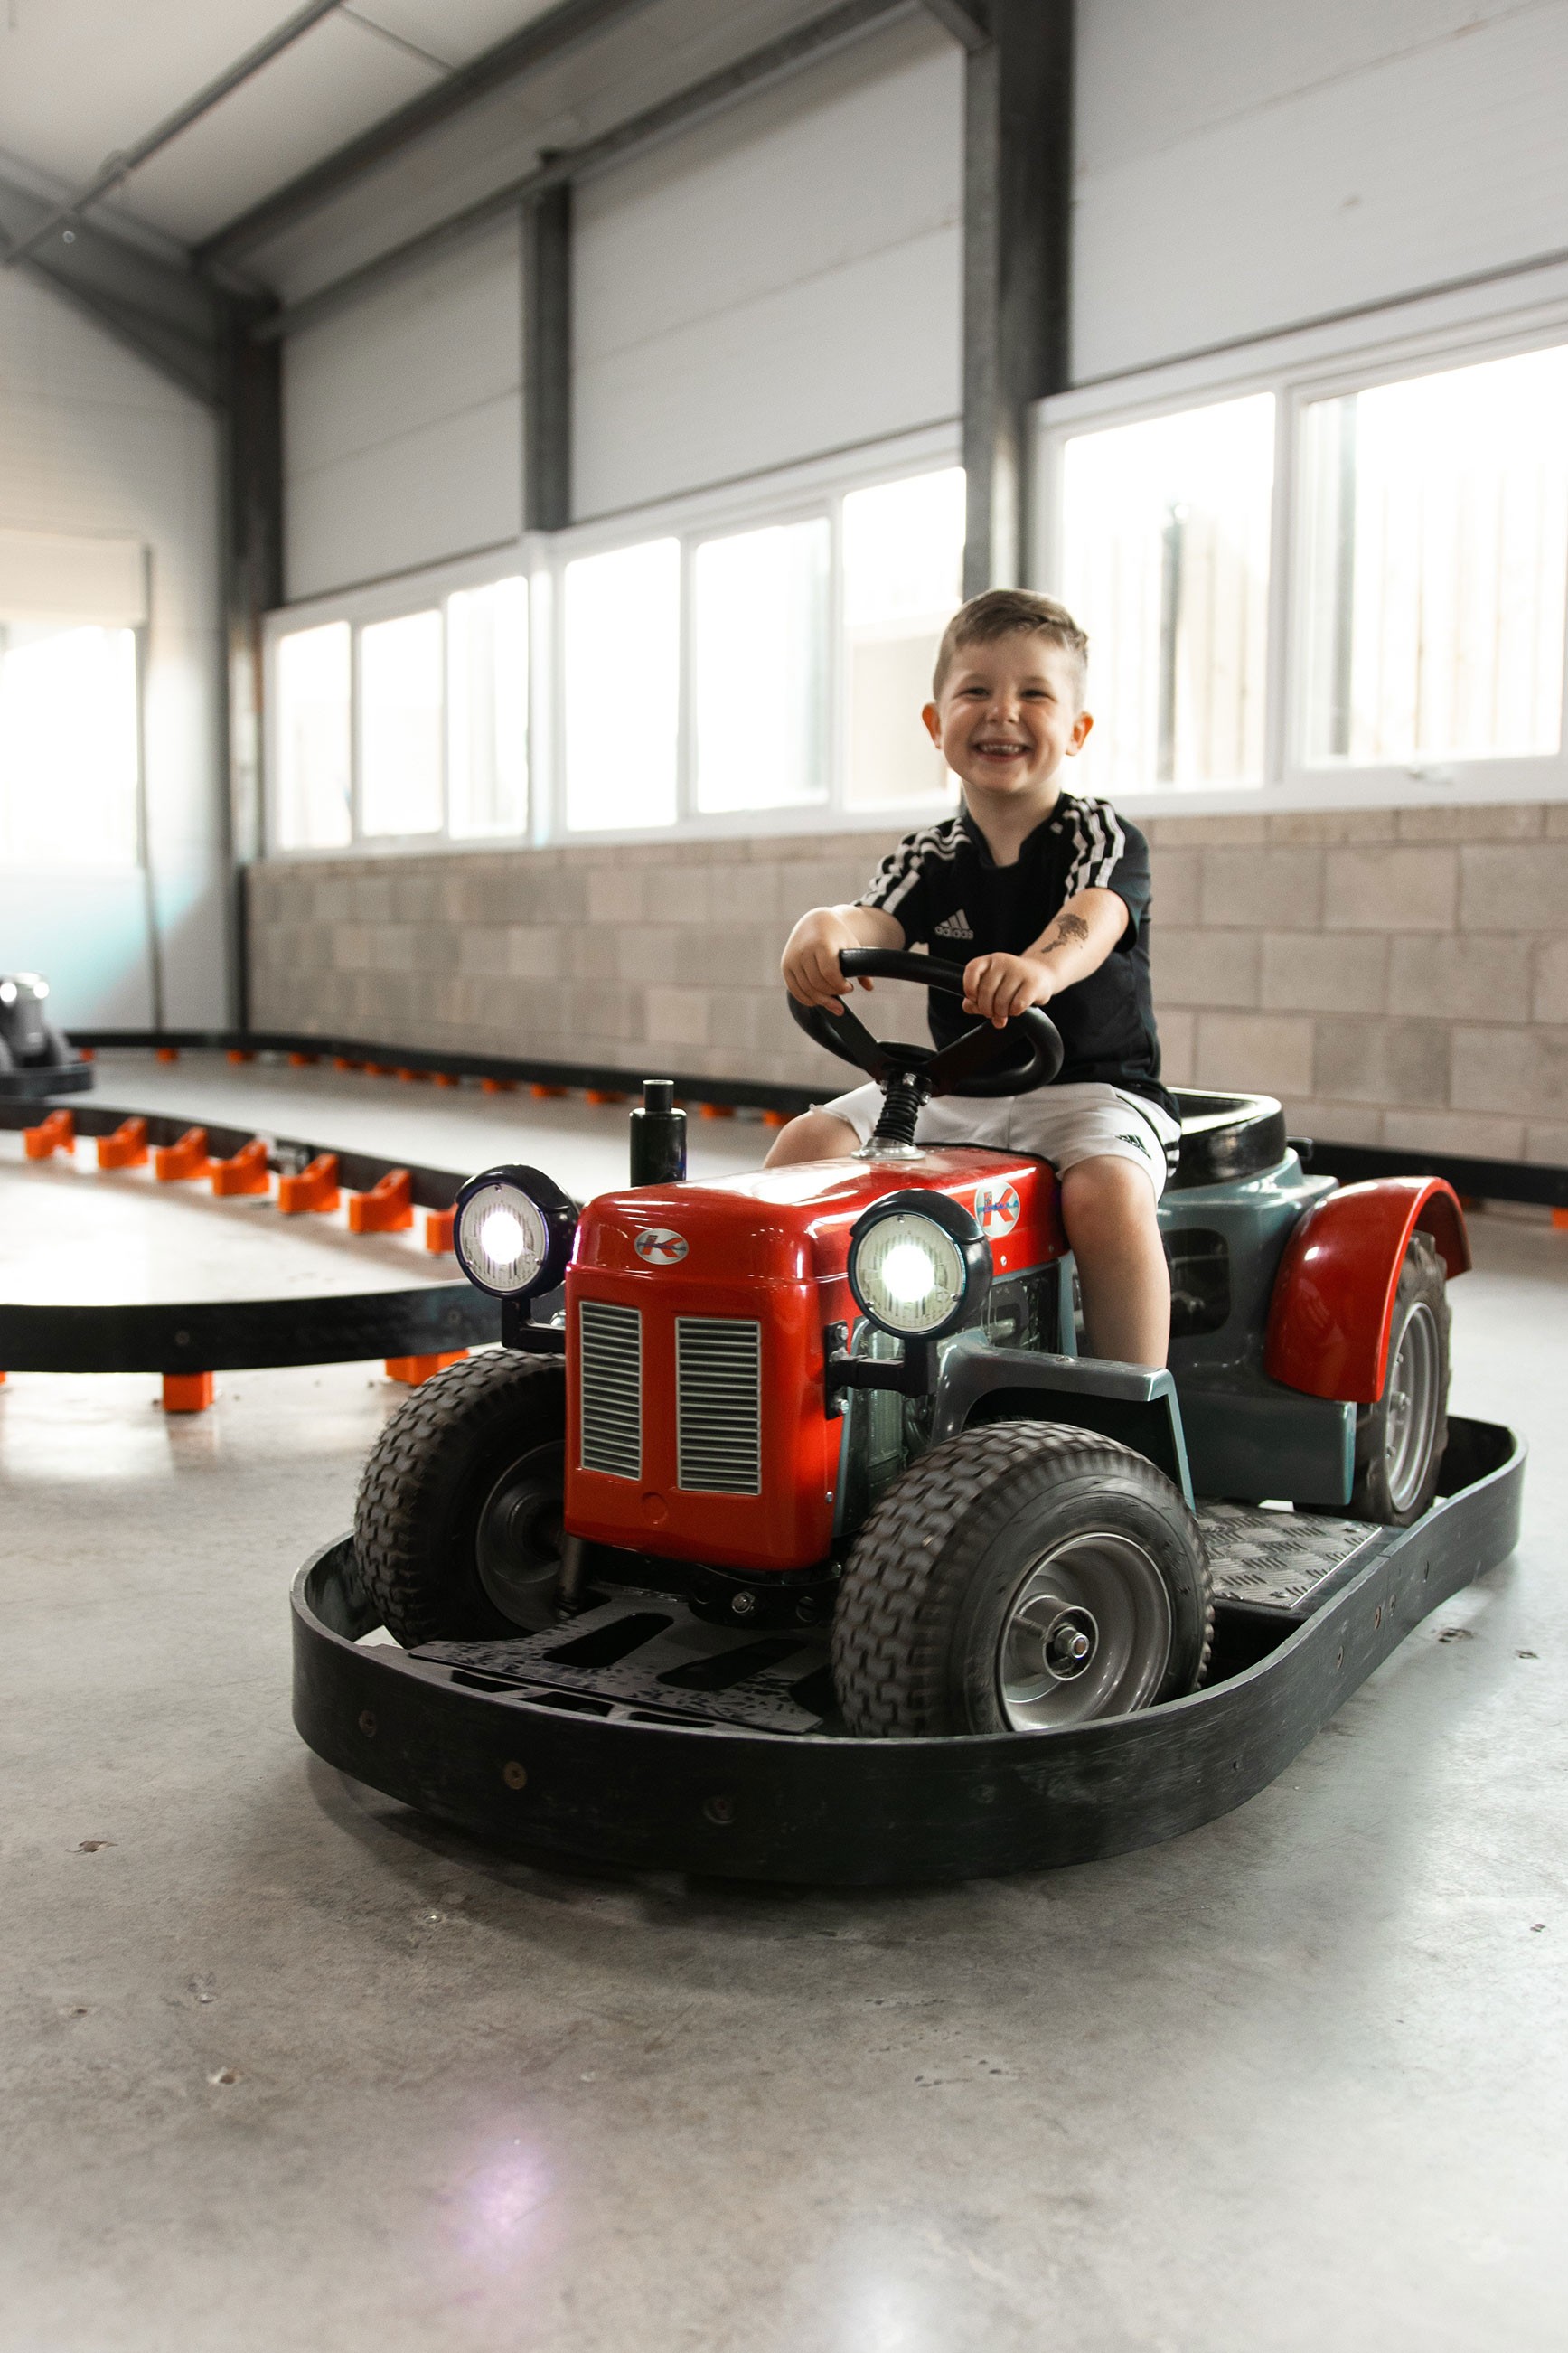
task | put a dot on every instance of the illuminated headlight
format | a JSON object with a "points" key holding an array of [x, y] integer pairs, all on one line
{"points": [[920, 1265], [512, 1232]]}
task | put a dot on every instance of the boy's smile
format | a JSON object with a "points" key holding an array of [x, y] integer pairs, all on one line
{"points": [[1008, 716]]}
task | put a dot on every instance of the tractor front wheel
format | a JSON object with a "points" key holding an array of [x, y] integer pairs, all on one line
{"points": [[458, 1525], [1021, 1578]]}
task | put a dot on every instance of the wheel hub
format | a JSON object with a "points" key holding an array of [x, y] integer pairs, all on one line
{"points": [[1412, 1405], [1088, 1634], [518, 1538]]}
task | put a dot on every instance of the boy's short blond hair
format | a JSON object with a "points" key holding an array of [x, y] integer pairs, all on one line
{"points": [[1006, 612]]}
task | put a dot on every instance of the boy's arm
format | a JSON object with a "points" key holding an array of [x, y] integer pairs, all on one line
{"points": [[1072, 945], [810, 960]]}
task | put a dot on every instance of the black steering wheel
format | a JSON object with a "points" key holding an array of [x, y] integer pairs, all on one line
{"points": [[984, 1061]]}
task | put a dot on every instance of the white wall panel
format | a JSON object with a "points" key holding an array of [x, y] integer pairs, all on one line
{"points": [[1242, 167], [402, 422], [93, 442], [783, 283]]}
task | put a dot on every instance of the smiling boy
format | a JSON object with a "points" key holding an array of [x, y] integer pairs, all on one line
{"points": [[1044, 896]]}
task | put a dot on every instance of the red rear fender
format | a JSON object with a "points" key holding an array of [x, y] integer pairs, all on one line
{"points": [[1333, 1296]]}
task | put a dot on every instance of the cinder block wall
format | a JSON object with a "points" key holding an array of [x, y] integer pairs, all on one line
{"points": [[1399, 977]]}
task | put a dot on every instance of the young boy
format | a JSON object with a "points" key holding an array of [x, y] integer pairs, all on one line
{"points": [[1046, 897]]}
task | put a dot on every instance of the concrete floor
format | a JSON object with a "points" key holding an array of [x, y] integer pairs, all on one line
{"points": [[286, 2067]]}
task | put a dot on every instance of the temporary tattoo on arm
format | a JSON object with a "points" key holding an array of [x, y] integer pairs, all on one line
{"points": [[1066, 931]]}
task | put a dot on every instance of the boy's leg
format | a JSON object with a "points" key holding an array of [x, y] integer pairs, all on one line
{"points": [[1109, 1211], [814, 1136]]}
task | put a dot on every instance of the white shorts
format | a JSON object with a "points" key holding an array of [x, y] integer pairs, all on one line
{"points": [[1090, 1120]]}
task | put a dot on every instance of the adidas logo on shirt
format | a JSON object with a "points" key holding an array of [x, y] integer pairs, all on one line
{"points": [[955, 927]]}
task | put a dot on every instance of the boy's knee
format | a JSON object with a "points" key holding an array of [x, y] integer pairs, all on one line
{"points": [[1107, 1198], [814, 1136]]}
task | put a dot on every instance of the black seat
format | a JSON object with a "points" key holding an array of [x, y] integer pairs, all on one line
{"points": [[1226, 1137]]}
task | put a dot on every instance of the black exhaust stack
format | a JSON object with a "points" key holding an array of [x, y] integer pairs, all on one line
{"points": [[658, 1136]]}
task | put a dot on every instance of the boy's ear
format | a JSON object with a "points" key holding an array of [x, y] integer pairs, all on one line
{"points": [[933, 718], [1080, 728]]}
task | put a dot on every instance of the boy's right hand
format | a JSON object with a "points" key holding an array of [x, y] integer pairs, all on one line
{"points": [[812, 971]]}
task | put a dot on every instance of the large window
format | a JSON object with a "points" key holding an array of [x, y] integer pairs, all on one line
{"points": [[903, 574], [760, 626], [69, 758], [622, 662], [1166, 529], [404, 726], [738, 660], [1436, 530], [1352, 582]]}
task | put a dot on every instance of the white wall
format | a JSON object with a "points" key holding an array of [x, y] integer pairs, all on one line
{"points": [[784, 281], [1242, 167], [402, 422], [93, 440]]}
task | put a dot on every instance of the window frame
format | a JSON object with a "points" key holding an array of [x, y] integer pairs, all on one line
{"points": [[796, 493], [1299, 369]]}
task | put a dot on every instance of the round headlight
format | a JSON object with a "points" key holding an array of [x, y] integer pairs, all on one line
{"points": [[918, 1265], [512, 1232]]}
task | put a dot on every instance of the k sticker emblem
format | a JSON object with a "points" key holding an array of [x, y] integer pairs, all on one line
{"points": [[997, 1208], [661, 1247]]}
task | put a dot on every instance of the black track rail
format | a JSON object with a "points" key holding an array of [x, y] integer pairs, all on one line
{"points": [[233, 1335], [833, 1812]]}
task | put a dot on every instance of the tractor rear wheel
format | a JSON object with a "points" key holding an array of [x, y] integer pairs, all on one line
{"points": [[1021, 1578], [457, 1525], [1400, 1438]]}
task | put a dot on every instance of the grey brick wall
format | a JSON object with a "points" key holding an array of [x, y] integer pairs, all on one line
{"points": [[1399, 977]]}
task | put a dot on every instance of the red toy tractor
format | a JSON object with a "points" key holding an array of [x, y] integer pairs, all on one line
{"points": [[848, 1395]]}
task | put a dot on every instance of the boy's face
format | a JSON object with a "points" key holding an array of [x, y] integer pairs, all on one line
{"points": [[1009, 714]]}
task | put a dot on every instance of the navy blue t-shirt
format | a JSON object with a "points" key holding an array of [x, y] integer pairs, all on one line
{"points": [[943, 886]]}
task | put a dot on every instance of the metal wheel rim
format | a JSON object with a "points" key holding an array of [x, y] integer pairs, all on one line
{"points": [[1411, 1427], [1101, 1579], [517, 1543]]}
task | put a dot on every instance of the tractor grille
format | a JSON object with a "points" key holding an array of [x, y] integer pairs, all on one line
{"points": [[610, 1396], [719, 1405]]}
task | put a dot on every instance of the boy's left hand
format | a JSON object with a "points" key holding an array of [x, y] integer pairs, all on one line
{"points": [[998, 987]]}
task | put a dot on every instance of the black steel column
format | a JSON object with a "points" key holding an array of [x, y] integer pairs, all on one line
{"points": [[547, 360], [1017, 202], [252, 556]]}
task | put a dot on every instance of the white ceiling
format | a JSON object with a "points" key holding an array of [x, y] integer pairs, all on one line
{"points": [[80, 79]]}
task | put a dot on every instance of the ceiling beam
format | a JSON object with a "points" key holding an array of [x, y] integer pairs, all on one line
{"points": [[154, 306], [836, 29], [118, 166], [969, 21], [563, 27]]}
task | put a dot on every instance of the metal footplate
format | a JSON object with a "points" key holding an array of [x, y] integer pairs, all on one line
{"points": [[1285, 1560]]}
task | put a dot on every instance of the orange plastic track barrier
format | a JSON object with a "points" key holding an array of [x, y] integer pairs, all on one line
{"points": [[776, 1119], [715, 1110], [302, 1062], [346, 1063], [315, 1186], [89, 1054], [380, 1069], [412, 1370], [240, 1054], [386, 1208], [598, 1094], [188, 1392], [55, 1133], [538, 1089], [126, 1148], [1559, 1220], [247, 1173], [165, 1053], [177, 1162], [413, 1078], [446, 1079], [504, 1087], [439, 1229]]}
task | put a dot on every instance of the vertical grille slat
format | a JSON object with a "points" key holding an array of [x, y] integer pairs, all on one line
{"points": [[609, 1392], [719, 1405]]}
